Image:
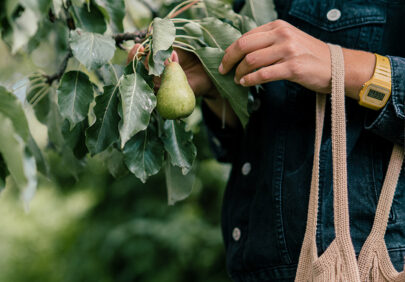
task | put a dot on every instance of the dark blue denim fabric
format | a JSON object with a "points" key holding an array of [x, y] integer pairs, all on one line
{"points": [[268, 203]]}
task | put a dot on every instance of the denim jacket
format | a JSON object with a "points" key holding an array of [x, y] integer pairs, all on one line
{"points": [[265, 204]]}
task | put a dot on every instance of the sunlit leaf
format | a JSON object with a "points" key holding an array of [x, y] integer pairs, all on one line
{"points": [[11, 107], [262, 11], [24, 27], [21, 166], [104, 131], [179, 144], [138, 101], [75, 94], [91, 49]]}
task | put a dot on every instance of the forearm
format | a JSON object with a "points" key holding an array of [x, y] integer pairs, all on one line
{"points": [[359, 68]]}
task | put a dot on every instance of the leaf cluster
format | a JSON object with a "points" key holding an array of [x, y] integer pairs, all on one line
{"points": [[106, 110]]}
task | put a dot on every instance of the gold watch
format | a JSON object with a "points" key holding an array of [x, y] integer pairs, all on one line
{"points": [[375, 93]]}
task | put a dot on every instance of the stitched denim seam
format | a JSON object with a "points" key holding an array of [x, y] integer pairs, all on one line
{"points": [[396, 90]]}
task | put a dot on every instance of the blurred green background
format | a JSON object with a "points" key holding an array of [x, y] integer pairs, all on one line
{"points": [[103, 229]]}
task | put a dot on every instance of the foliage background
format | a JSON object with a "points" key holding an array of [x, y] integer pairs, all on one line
{"points": [[105, 229]]}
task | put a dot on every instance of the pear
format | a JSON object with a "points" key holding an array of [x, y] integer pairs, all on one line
{"points": [[175, 98]]}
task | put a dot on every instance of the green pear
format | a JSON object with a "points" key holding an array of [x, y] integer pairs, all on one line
{"points": [[175, 98]]}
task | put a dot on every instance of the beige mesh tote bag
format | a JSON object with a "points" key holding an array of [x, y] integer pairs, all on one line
{"points": [[338, 262]]}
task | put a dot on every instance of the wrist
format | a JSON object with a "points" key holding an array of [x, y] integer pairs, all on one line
{"points": [[359, 68]]}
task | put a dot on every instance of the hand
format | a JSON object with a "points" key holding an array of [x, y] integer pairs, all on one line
{"points": [[280, 51], [196, 75]]}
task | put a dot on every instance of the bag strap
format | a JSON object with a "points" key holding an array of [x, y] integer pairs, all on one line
{"points": [[340, 198], [309, 251]]}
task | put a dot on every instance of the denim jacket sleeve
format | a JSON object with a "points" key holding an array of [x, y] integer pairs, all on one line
{"points": [[390, 122]]}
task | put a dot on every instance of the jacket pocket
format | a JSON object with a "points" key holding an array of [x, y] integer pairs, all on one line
{"points": [[354, 24]]}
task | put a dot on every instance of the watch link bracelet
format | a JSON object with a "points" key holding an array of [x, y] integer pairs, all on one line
{"points": [[376, 92]]}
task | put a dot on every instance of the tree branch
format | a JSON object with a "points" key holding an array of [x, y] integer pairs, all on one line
{"points": [[138, 37], [58, 75]]}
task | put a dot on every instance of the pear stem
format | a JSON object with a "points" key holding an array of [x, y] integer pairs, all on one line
{"points": [[185, 44], [185, 6], [183, 48]]}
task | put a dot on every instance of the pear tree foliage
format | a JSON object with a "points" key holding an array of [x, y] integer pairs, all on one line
{"points": [[94, 107]]}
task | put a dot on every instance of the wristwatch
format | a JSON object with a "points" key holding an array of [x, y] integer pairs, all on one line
{"points": [[375, 93]]}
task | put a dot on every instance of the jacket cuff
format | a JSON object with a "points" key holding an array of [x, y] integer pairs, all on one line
{"points": [[223, 141], [390, 121]]}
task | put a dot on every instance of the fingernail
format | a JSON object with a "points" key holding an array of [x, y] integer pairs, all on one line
{"points": [[242, 81], [221, 68]]}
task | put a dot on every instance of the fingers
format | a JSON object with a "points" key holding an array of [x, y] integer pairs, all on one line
{"points": [[245, 45], [275, 72], [258, 38], [258, 59], [138, 48], [174, 57]]}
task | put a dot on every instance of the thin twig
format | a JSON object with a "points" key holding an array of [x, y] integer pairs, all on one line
{"points": [[57, 76], [137, 37], [185, 8]]}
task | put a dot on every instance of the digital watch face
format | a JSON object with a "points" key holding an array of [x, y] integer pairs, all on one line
{"points": [[376, 95]]}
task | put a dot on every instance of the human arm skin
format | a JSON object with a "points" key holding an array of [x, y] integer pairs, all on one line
{"points": [[280, 51]]}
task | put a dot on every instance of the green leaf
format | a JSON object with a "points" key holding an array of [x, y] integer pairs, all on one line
{"points": [[3, 173], [219, 34], [138, 101], [164, 34], [42, 164], [144, 153], [21, 166], [193, 29], [91, 49], [24, 27], [223, 10], [75, 94], [75, 138], [262, 11], [178, 186], [57, 6], [11, 107], [91, 20], [114, 11], [236, 95], [157, 62], [179, 144], [59, 140], [35, 90], [39, 7], [113, 159], [104, 131]]}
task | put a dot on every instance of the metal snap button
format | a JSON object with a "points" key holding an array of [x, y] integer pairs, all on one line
{"points": [[246, 168], [236, 234], [333, 15]]}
